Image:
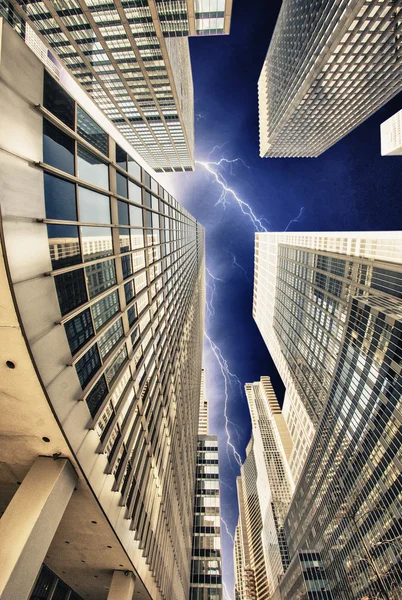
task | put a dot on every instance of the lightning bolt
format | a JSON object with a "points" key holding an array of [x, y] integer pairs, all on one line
{"points": [[225, 589], [216, 148], [296, 220], [228, 377], [227, 529], [213, 167], [236, 264], [211, 285]]}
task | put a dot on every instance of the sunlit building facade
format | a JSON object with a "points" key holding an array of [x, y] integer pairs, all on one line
{"points": [[330, 65], [303, 290], [391, 135], [206, 558], [132, 59], [103, 289], [271, 448]]}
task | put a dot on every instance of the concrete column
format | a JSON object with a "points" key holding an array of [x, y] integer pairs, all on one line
{"points": [[122, 587], [30, 522]]}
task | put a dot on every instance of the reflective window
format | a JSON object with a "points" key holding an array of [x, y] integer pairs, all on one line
{"points": [[110, 338], [57, 101], [146, 179], [88, 365], [155, 203], [148, 200], [123, 212], [97, 395], [79, 330], [71, 290], [131, 314], [96, 242], [105, 309], [134, 168], [59, 198], [92, 169], [129, 291], [134, 192], [126, 266], [100, 277], [58, 148], [121, 157], [121, 183], [113, 370], [138, 260], [137, 238], [64, 245], [91, 132], [124, 240], [94, 207], [136, 216], [148, 218], [154, 185]]}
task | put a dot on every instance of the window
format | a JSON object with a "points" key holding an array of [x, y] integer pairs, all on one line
{"points": [[88, 365], [92, 169], [113, 370], [134, 168], [110, 338], [59, 198], [57, 101], [97, 395], [64, 245], [121, 157], [58, 148], [71, 290], [79, 330], [91, 132], [96, 242], [136, 216], [121, 183], [134, 192], [94, 207], [100, 277], [105, 309]]}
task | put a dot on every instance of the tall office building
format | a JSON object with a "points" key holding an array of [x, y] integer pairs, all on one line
{"points": [[133, 60], [303, 290], [391, 135], [206, 561], [238, 562], [347, 505], [101, 318], [251, 572], [271, 448], [330, 65]]}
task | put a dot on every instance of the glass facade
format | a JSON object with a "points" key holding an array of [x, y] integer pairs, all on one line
{"points": [[206, 561], [330, 65], [49, 587], [305, 578]]}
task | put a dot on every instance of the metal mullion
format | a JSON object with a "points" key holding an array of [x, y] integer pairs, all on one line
{"points": [[128, 427], [72, 178]]}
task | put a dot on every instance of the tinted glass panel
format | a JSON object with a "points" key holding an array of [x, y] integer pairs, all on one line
{"points": [[148, 218], [58, 148], [91, 132], [91, 169], [94, 207], [131, 314], [104, 310], [134, 192], [64, 245], [121, 183], [79, 330], [61, 591], [148, 200], [155, 203], [70, 290], [121, 157], [113, 370], [96, 242], [136, 216], [146, 179], [100, 277], [137, 238], [126, 266], [59, 198], [129, 291], [138, 260], [57, 101], [124, 239], [123, 212], [97, 395], [109, 339], [134, 168], [88, 365]]}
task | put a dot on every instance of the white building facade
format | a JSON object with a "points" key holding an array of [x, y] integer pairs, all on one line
{"points": [[391, 135]]}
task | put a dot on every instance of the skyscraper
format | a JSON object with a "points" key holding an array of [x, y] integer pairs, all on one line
{"points": [[303, 291], [206, 560], [391, 135], [271, 448], [103, 284], [133, 60], [330, 65]]}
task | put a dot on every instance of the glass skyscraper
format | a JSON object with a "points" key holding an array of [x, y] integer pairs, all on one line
{"points": [[133, 60], [103, 289], [330, 65]]}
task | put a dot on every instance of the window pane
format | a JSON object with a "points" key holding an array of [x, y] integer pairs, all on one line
{"points": [[134, 192], [70, 290], [123, 212], [96, 242], [64, 245], [91, 132], [129, 291], [88, 365], [92, 169], [121, 183], [126, 266], [59, 198], [155, 203], [148, 200], [137, 238], [121, 157], [124, 240], [100, 277], [58, 148], [105, 309], [113, 370], [110, 338], [57, 101], [146, 178], [45, 580], [79, 330], [136, 216], [94, 207], [131, 314], [138, 260], [134, 168], [97, 395], [154, 185], [148, 218]]}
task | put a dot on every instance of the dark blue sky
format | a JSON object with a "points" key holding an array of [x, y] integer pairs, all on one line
{"points": [[349, 187]]}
